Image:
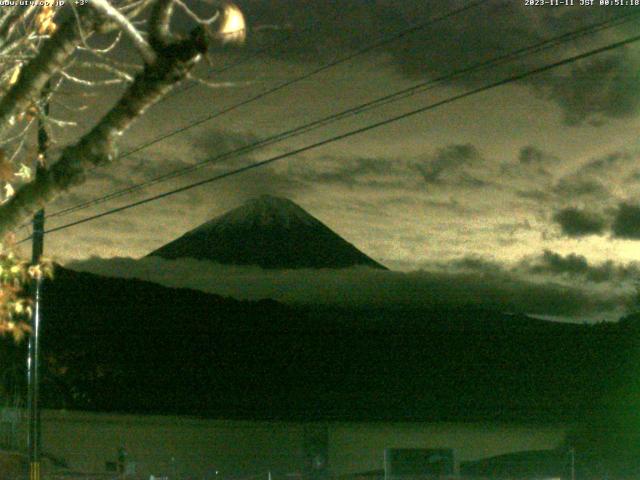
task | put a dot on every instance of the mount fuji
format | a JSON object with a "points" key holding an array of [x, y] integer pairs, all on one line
{"points": [[270, 232]]}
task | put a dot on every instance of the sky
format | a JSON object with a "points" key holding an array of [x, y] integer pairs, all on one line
{"points": [[534, 184]]}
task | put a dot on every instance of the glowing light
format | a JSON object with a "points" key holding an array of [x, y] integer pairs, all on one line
{"points": [[233, 28]]}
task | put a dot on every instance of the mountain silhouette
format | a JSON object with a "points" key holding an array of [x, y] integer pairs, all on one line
{"points": [[126, 345], [270, 232]]}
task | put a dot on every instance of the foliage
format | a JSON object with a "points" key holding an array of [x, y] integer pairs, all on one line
{"points": [[15, 276], [23, 32]]}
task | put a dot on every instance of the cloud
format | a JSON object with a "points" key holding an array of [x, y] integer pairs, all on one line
{"points": [[450, 287], [579, 223], [530, 174], [626, 223], [316, 30], [448, 161], [450, 165], [556, 263], [188, 156], [569, 269], [600, 180], [530, 155], [354, 172], [571, 187], [597, 88], [178, 154], [603, 179], [218, 147], [219, 142], [577, 266], [607, 163]]}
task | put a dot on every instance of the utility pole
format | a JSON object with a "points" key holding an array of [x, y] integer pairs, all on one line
{"points": [[33, 361]]}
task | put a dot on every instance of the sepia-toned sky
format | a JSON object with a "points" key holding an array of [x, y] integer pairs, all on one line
{"points": [[535, 183]]}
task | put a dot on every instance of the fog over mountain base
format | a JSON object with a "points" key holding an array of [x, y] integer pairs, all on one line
{"points": [[453, 287]]}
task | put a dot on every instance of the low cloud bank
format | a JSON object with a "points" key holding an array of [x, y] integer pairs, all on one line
{"points": [[465, 283]]}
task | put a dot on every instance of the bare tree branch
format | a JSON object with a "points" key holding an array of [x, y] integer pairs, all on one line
{"points": [[37, 56], [51, 58], [91, 83], [159, 23], [98, 147], [12, 19], [109, 68], [135, 8], [107, 49], [109, 11], [195, 17]]}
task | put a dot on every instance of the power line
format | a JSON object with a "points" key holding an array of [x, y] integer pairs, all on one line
{"points": [[367, 48], [404, 93], [354, 132]]}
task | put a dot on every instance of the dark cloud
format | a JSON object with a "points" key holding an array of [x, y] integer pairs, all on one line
{"points": [[450, 159], [352, 172], [254, 183], [604, 164], [626, 223], [313, 31], [598, 178], [198, 157], [475, 264], [606, 86], [446, 165], [553, 265], [556, 263], [576, 186], [218, 142], [512, 228], [532, 167], [577, 266], [181, 154], [216, 145], [452, 205], [597, 89], [479, 285], [534, 194], [579, 223], [594, 181], [530, 155], [530, 173], [634, 176]]}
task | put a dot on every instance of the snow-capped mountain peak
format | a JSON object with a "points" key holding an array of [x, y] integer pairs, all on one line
{"points": [[268, 231], [265, 210]]}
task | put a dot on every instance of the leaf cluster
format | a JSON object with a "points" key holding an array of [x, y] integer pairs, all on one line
{"points": [[16, 274]]}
